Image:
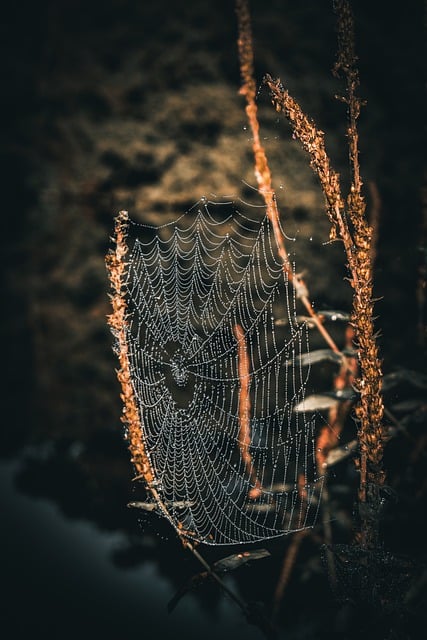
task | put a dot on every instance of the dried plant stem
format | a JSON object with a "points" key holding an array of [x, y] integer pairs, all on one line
{"points": [[116, 268], [286, 572], [370, 410], [262, 170], [349, 224], [312, 140], [291, 553], [245, 410]]}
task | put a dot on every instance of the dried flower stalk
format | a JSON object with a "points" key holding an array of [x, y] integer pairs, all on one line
{"points": [[116, 268], [287, 567], [349, 224], [292, 551], [245, 410]]}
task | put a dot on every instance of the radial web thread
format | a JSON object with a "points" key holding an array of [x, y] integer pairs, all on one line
{"points": [[216, 377]]}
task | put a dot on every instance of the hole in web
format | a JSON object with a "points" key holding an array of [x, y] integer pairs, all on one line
{"points": [[216, 376]]}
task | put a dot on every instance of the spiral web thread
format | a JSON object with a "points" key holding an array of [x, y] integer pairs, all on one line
{"points": [[216, 377]]}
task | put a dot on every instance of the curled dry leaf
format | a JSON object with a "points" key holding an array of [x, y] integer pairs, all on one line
{"points": [[337, 454], [236, 560], [145, 506], [319, 355], [325, 400]]}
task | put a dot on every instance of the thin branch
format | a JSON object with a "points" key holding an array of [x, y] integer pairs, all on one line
{"points": [[262, 170], [312, 141], [245, 410], [287, 567], [117, 320], [371, 409]]}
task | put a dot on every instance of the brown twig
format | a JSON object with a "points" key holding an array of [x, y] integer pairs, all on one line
{"points": [[262, 170], [291, 554], [245, 410], [287, 567], [116, 268]]}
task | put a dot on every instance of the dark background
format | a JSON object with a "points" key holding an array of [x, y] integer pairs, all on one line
{"points": [[132, 105]]}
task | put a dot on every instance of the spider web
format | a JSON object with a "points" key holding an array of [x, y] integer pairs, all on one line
{"points": [[216, 378]]}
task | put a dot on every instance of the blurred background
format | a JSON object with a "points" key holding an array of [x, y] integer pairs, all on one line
{"points": [[131, 105]]}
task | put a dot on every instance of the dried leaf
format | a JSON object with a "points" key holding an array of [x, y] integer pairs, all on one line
{"points": [[236, 560], [319, 355], [315, 402], [146, 506], [181, 504], [325, 400], [335, 316], [280, 487], [337, 454]]}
